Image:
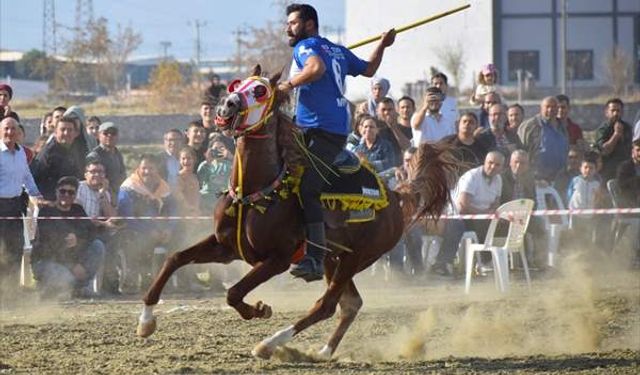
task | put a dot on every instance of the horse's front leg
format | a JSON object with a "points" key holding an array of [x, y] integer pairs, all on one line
{"points": [[206, 251], [260, 273]]}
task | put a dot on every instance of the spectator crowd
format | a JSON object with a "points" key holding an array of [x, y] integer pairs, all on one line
{"points": [[76, 170]]}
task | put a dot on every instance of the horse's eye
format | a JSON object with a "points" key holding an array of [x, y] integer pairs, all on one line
{"points": [[259, 93]]}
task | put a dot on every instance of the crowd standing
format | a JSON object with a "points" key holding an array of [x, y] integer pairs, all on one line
{"points": [[75, 169]]}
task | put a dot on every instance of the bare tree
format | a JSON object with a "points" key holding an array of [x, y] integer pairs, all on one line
{"points": [[618, 70], [452, 57], [95, 59], [267, 46]]}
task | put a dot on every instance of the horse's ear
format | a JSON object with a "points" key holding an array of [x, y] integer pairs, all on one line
{"points": [[257, 70], [273, 80]]}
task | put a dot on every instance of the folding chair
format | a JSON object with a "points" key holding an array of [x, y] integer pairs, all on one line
{"points": [[518, 214], [552, 229]]}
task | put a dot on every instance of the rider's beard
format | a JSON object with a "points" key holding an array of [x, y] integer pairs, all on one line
{"points": [[295, 38]]}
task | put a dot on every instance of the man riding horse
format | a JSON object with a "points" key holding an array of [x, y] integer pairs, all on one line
{"points": [[318, 74]]}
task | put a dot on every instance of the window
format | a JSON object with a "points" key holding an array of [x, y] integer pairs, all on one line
{"points": [[527, 61], [580, 65]]}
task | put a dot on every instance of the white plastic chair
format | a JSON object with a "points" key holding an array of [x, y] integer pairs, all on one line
{"points": [[552, 230], [518, 214]]}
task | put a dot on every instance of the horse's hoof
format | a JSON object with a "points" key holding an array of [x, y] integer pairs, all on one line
{"points": [[262, 350], [147, 328], [325, 353], [264, 310]]}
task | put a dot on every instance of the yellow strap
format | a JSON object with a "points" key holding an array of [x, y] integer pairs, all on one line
{"points": [[239, 221]]}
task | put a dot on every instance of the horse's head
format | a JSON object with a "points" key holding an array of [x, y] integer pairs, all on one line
{"points": [[248, 105]]}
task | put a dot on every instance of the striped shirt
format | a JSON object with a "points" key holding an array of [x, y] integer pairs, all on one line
{"points": [[89, 199]]}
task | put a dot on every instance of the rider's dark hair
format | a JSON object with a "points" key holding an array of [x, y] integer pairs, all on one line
{"points": [[305, 11]]}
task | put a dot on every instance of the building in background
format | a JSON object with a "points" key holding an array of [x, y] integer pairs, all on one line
{"points": [[515, 35]]}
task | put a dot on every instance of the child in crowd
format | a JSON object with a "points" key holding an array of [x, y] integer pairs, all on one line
{"points": [[188, 202], [187, 186], [487, 81], [585, 192], [214, 172]]}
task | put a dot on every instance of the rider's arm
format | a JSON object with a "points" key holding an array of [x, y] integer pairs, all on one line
{"points": [[313, 69], [376, 57]]}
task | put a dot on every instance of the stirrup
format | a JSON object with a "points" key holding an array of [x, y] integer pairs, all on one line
{"points": [[308, 269]]}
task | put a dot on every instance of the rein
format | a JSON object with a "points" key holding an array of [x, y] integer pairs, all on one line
{"points": [[237, 194]]}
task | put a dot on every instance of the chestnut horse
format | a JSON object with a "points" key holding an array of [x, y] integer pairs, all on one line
{"points": [[256, 222]]}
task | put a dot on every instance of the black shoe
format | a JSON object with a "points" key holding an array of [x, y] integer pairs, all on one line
{"points": [[311, 267], [308, 269]]}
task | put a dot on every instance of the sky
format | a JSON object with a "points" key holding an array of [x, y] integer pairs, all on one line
{"points": [[158, 20]]}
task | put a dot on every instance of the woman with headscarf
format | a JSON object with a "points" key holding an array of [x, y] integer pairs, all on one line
{"points": [[379, 90]]}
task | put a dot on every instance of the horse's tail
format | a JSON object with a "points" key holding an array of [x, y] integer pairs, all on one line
{"points": [[436, 172]]}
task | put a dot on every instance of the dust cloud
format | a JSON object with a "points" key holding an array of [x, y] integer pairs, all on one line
{"points": [[564, 314]]}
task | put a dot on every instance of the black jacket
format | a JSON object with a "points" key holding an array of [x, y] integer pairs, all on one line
{"points": [[55, 161]]}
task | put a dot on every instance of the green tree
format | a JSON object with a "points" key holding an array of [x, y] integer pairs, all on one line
{"points": [[170, 91], [35, 64]]}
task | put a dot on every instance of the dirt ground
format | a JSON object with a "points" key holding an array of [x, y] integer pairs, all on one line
{"points": [[581, 320]]}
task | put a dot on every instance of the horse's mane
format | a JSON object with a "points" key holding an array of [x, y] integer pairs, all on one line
{"points": [[435, 163], [288, 136]]}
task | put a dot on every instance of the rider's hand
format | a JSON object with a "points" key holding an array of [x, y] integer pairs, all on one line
{"points": [[285, 86], [388, 38]]}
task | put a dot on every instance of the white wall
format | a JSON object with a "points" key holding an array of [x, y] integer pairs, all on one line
{"points": [[414, 51]]}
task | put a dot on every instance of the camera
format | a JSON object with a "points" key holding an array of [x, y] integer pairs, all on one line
{"points": [[217, 153]]}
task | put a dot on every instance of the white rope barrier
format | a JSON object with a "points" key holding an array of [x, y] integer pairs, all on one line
{"points": [[576, 212]]}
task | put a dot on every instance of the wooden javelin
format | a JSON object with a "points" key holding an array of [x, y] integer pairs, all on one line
{"points": [[411, 25]]}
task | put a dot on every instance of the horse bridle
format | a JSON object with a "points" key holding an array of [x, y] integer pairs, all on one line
{"points": [[239, 126]]}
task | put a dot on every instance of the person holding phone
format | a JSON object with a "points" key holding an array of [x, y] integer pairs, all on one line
{"points": [[214, 172]]}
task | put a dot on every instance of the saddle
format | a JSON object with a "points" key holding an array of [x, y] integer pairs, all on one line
{"points": [[355, 195]]}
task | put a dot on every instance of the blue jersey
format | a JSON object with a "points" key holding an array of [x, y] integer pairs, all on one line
{"points": [[321, 104]]}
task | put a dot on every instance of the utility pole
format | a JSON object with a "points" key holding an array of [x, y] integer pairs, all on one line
{"points": [[84, 16], [563, 46], [49, 27], [239, 33], [165, 44], [198, 24]]}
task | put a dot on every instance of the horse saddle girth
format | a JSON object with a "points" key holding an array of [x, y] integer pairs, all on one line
{"points": [[354, 197]]}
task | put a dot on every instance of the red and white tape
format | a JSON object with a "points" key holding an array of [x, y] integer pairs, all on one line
{"points": [[577, 212]]}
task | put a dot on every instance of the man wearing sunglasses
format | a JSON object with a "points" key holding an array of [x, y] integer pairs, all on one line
{"points": [[66, 254]]}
